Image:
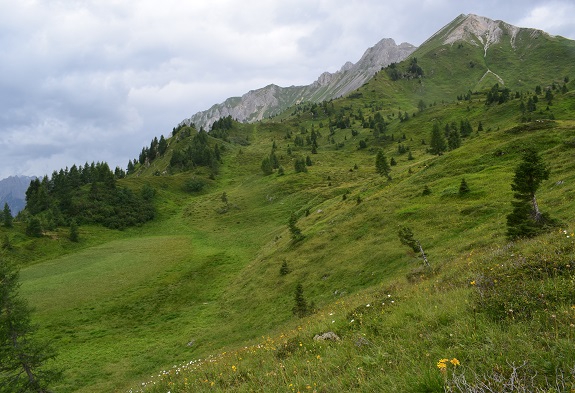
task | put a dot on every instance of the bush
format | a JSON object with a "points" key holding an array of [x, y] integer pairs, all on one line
{"points": [[194, 185]]}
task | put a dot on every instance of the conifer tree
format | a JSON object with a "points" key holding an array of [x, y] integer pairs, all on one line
{"points": [[406, 238], [7, 216], [266, 166], [453, 139], [300, 165], [526, 220], [381, 165], [301, 308], [437, 143], [22, 356]]}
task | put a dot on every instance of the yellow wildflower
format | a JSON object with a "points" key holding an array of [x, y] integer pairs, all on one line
{"points": [[442, 364], [455, 362]]}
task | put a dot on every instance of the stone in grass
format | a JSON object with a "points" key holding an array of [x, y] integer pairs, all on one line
{"points": [[331, 336]]}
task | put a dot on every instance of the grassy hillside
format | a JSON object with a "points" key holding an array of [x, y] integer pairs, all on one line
{"points": [[202, 281]]}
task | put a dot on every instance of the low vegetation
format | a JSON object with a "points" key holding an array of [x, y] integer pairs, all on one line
{"points": [[370, 243]]}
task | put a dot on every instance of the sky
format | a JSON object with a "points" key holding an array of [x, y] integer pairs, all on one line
{"points": [[97, 80]]}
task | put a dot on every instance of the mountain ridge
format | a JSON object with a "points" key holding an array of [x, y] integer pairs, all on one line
{"points": [[272, 99]]}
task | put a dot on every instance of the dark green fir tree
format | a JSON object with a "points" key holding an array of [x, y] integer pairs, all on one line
{"points": [[526, 219], [23, 357]]}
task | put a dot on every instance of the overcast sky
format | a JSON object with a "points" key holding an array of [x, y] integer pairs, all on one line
{"points": [[96, 80]]}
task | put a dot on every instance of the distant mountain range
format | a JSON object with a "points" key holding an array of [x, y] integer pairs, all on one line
{"points": [[272, 100], [13, 191]]}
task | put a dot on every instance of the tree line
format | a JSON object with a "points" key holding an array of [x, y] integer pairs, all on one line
{"points": [[86, 194]]}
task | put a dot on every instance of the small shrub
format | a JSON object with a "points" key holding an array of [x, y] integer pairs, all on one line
{"points": [[194, 185], [284, 269]]}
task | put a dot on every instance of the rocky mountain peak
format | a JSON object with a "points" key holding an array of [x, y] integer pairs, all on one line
{"points": [[272, 99], [478, 30]]}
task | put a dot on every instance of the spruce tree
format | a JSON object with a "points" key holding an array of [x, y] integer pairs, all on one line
{"points": [[381, 165], [301, 308], [267, 167], [405, 235], [453, 139], [526, 220], [437, 143], [7, 216], [22, 356]]}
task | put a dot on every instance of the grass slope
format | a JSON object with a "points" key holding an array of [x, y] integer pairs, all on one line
{"points": [[203, 278]]}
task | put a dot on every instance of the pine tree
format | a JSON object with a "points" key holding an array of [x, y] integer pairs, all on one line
{"points": [[381, 165], [301, 308], [437, 143], [266, 166], [7, 216], [300, 165], [526, 220], [405, 235], [453, 139], [22, 357]]}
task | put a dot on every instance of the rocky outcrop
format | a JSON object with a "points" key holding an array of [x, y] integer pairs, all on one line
{"points": [[271, 100], [327, 336]]}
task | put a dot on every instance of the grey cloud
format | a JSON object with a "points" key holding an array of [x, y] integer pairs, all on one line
{"points": [[97, 80]]}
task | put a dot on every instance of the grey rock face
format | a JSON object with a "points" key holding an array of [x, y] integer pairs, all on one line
{"points": [[271, 100]]}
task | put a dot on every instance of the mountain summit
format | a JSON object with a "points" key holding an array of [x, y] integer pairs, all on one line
{"points": [[480, 31], [272, 99]]}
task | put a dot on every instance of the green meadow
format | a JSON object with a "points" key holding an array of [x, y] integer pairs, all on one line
{"points": [[194, 300]]}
